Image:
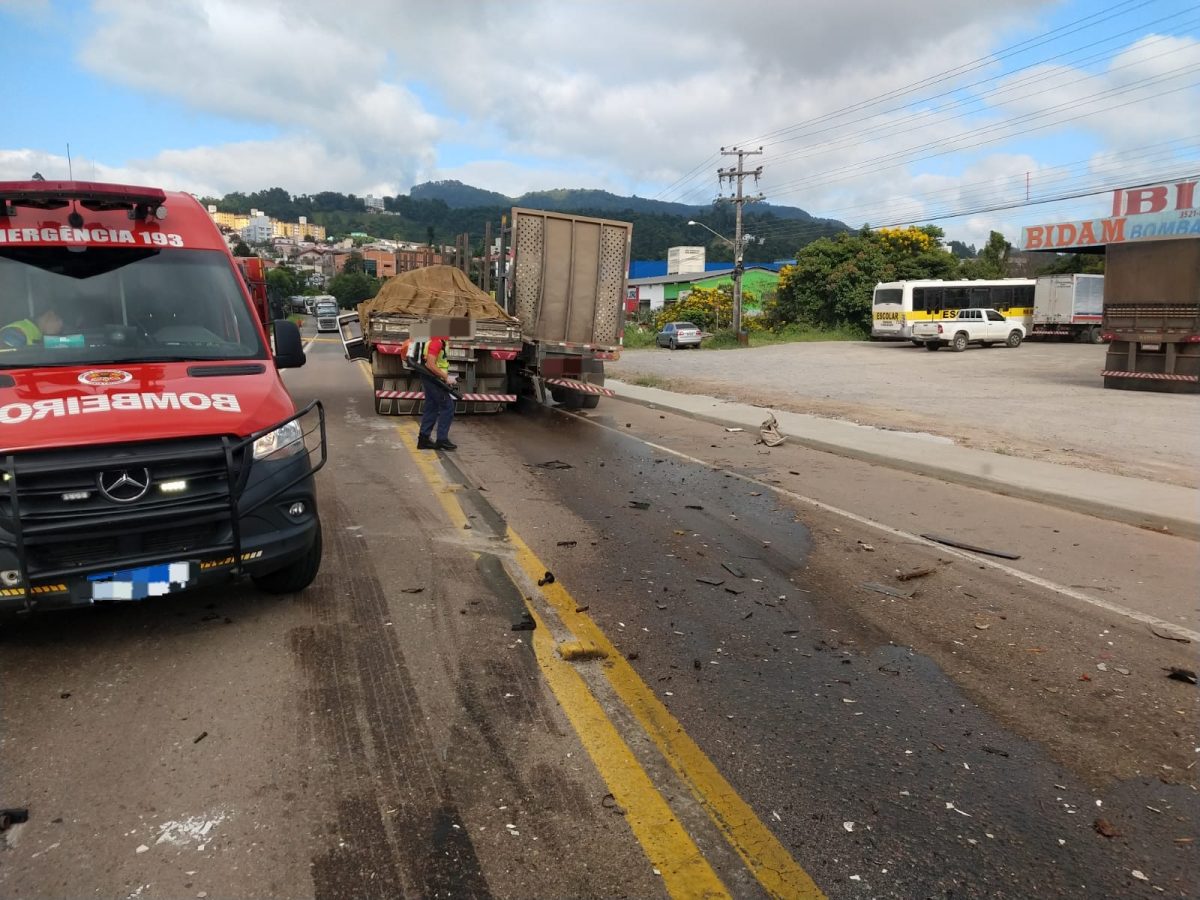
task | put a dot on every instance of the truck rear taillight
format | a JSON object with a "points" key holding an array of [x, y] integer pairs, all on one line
{"points": [[1192, 339], [1108, 336]]}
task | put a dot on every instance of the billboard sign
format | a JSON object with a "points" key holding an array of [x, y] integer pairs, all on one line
{"points": [[1138, 214]]}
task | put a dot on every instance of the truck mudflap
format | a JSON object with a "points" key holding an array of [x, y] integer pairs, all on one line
{"points": [[1151, 376], [203, 512], [582, 386], [420, 395]]}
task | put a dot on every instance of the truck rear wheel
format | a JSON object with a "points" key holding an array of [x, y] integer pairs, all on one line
{"points": [[959, 343], [1093, 335], [296, 576], [590, 401]]}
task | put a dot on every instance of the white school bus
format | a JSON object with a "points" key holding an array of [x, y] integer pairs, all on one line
{"points": [[896, 305]]}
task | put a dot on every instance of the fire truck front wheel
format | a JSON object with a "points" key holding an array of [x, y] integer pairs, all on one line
{"points": [[295, 576]]}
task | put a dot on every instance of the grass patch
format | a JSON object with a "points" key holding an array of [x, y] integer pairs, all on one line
{"points": [[650, 381], [790, 334], [637, 338]]}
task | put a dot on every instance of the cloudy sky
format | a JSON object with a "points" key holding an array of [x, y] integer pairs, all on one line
{"points": [[867, 110]]}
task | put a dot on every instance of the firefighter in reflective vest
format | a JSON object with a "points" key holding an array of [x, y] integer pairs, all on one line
{"points": [[26, 332], [438, 411]]}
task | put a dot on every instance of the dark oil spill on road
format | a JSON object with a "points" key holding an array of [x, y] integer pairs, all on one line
{"points": [[809, 711]]}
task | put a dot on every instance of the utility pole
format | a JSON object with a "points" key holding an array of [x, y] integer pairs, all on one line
{"points": [[487, 257], [738, 176], [502, 265]]}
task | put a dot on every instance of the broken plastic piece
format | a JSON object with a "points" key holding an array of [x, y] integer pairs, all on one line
{"points": [[640, 504], [715, 582], [951, 542], [550, 464], [733, 570], [890, 591], [1187, 676], [769, 432], [10, 817]]}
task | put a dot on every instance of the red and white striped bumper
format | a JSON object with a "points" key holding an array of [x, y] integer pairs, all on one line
{"points": [[1153, 376], [581, 386], [420, 395]]}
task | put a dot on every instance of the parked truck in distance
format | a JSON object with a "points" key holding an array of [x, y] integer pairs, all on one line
{"points": [[1068, 307], [1152, 316], [378, 329], [566, 292], [985, 327]]}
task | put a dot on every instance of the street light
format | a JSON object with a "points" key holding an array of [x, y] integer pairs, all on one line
{"points": [[737, 278]]}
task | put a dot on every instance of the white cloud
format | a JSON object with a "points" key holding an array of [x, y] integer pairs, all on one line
{"points": [[370, 96]]}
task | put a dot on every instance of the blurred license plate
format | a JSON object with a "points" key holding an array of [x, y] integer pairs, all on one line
{"points": [[1151, 346], [140, 583]]}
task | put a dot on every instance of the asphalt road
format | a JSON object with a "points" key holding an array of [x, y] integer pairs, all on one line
{"points": [[784, 732]]}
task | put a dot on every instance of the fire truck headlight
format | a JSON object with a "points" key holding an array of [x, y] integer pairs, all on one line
{"points": [[287, 440]]}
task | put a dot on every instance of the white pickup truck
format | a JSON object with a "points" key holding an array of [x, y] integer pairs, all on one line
{"points": [[968, 326]]}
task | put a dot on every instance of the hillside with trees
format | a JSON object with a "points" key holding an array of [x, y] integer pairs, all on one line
{"points": [[445, 209]]}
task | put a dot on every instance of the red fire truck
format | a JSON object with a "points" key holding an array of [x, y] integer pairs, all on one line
{"points": [[147, 441]]}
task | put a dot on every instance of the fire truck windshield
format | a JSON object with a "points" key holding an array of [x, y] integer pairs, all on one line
{"points": [[62, 307]]}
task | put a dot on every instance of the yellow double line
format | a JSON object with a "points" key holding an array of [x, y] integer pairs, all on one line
{"points": [[671, 850]]}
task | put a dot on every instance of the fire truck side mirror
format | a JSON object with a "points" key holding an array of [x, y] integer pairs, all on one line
{"points": [[289, 350]]}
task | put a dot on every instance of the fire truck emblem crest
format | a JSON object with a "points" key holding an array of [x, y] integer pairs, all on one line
{"points": [[102, 377]]}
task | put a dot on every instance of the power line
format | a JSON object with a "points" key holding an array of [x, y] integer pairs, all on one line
{"points": [[1163, 152], [904, 157], [895, 129], [1066, 29]]}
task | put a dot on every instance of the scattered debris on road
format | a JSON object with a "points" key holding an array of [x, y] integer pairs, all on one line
{"points": [[849, 826], [734, 590], [995, 750], [525, 623], [13, 816], [552, 464], [890, 591], [546, 579], [1175, 673], [734, 430], [693, 506], [567, 543], [1168, 636], [715, 582], [639, 504], [915, 573], [866, 546], [1106, 828], [580, 651], [769, 432], [412, 590], [201, 736], [962, 545], [733, 570], [608, 801]]}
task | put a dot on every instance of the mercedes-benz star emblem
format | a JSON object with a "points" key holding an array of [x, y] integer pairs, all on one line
{"points": [[124, 485]]}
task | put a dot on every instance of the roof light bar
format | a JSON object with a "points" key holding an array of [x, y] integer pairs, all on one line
{"points": [[93, 196]]}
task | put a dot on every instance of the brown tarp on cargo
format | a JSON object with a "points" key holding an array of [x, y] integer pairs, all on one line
{"points": [[433, 291]]}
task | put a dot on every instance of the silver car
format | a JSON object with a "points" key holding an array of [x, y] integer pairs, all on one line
{"points": [[678, 334]]}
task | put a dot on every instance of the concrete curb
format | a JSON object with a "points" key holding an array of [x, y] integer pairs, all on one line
{"points": [[1145, 504]]}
